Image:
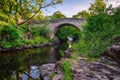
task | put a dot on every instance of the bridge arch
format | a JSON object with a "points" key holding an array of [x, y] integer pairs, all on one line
{"points": [[57, 27], [57, 24], [54, 25]]}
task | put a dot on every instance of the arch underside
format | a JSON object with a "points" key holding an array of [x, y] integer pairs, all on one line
{"points": [[65, 24], [56, 28]]}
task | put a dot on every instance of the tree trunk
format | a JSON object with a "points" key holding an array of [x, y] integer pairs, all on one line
{"points": [[29, 32]]}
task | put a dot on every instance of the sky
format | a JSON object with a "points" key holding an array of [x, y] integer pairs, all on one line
{"points": [[72, 7]]}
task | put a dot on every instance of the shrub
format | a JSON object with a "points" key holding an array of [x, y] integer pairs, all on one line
{"points": [[40, 31], [67, 71], [11, 36], [96, 36], [67, 31], [10, 33]]}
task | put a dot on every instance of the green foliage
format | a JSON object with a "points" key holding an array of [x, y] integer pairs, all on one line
{"points": [[97, 7], [37, 40], [61, 53], [83, 14], [67, 71], [52, 75], [96, 36], [14, 44], [40, 39], [99, 30], [40, 30], [10, 32], [58, 15], [116, 20], [67, 31], [23, 28], [14, 11], [80, 47], [11, 36]]}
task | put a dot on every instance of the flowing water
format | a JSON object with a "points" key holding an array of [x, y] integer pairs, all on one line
{"points": [[23, 64]]}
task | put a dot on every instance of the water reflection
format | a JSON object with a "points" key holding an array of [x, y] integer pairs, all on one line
{"points": [[23, 63]]}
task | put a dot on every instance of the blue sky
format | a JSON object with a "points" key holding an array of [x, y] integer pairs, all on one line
{"points": [[72, 7]]}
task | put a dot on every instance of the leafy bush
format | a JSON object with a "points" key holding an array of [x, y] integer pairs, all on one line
{"points": [[40, 39], [10, 33], [13, 44], [5, 44], [97, 35], [23, 28], [67, 31], [40, 31], [11, 36], [37, 40], [67, 71]]}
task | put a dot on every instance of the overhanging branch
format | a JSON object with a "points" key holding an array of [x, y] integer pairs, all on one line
{"points": [[50, 4]]}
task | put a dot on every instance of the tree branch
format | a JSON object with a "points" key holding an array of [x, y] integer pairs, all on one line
{"points": [[50, 4]]}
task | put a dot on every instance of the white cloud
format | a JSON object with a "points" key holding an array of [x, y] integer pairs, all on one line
{"points": [[69, 11], [72, 9], [114, 3]]}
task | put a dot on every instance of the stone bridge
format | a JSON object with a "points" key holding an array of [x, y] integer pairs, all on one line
{"points": [[54, 25]]}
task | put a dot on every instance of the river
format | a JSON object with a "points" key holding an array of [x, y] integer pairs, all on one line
{"points": [[24, 63]]}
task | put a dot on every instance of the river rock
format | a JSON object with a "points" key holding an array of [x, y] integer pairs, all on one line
{"points": [[117, 39], [56, 41], [68, 53], [97, 70], [18, 48], [58, 77], [113, 52], [36, 46], [46, 70]]}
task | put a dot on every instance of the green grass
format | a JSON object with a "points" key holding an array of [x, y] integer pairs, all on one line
{"points": [[67, 71]]}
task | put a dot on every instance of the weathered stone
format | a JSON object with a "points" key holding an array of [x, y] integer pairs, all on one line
{"points": [[46, 70], [56, 24], [117, 78], [68, 53], [106, 71], [36, 46], [117, 39], [114, 52], [18, 48], [58, 77], [94, 71]]}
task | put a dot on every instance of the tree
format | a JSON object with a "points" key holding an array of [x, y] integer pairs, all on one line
{"points": [[68, 31], [57, 15], [21, 11], [14, 13], [101, 27], [116, 17], [97, 7], [83, 14]]}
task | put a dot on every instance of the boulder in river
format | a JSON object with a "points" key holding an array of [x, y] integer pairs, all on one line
{"points": [[52, 68], [46, 70]]}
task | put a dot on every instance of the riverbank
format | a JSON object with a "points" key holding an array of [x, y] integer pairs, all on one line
{"points": [[26, 47], [54, 42], [81, 68], [101, 69]]}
